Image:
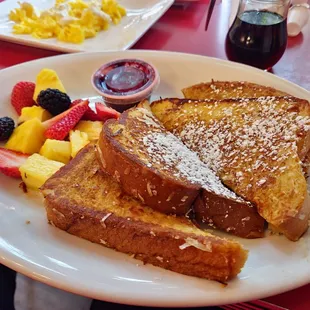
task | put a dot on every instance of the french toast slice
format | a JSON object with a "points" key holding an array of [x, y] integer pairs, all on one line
{"points": [[255, 145], [218, 90], [231, 216], [133, 150], [155, 167], [83, 201]]}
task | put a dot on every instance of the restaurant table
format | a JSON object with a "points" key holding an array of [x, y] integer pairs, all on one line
{"points": [[182, 29]]}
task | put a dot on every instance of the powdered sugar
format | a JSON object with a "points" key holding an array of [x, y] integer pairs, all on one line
{"points": [[246, 136], [168, 152]]}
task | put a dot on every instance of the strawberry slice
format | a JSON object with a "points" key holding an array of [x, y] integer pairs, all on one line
{"points": [[22, 96], [105, 113], [10, 162], [102, 112], [89, 115], [59, 126]]}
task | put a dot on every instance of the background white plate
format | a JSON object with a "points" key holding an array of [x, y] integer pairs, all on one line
{"points": [[141, 15], [59, 259]]}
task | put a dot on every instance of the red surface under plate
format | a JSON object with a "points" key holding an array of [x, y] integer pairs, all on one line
{"points": [[182, 29]]}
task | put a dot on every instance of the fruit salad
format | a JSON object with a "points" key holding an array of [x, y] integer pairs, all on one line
{"points": [[49, 129]]}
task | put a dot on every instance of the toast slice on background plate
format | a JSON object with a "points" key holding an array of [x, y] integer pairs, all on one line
{"points": [[154, 166], [83, 201], [255, 145]]}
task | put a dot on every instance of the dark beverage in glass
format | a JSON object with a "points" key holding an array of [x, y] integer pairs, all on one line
{"points": [[257, 37]]}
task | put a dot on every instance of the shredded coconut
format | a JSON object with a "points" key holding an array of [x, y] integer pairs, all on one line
{"points": [[58, 213], [102, 221], [244, 146], [195, 243]]}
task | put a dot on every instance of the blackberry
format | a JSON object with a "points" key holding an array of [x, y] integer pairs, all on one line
{"points": [[54, 101], [6, 128]]}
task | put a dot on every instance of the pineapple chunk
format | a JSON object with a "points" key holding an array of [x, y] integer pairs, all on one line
{"points": [[37, 169], [92, 129], [34, 112], [47, 78], [56, 150], [78, 140], [27, 138]]}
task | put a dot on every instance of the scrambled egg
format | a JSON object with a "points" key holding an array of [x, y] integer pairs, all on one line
{"points": [[68, 20]]}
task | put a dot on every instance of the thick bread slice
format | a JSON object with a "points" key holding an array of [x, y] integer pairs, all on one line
{"points": [[85, 202], [218, 90], [218, 212], [129, 152], [306, 165], [154, 166], [255, 146]]}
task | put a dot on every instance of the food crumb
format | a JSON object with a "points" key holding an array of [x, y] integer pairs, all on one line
{"points": [[23, 186], [223, 284]]}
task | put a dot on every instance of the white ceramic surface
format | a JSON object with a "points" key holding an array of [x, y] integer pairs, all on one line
{"points": [[52, 256], [141, 15], [297, 18]]}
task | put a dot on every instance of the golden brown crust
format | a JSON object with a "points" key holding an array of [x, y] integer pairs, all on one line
{"points": [[156, 189], [295, 226], [235, 217], [75, 203], [306, 165], [218, 90], [148, 242]]}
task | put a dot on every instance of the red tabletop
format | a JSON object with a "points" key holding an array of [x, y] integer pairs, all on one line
{"points": [[182, 29]]}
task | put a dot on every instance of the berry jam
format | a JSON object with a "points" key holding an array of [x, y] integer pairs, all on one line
{"points": [[125, 76], [124, 79], [126, 82]]}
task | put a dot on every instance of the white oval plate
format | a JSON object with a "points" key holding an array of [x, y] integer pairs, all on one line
{"points": [[54, 257], [141, 16]]}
